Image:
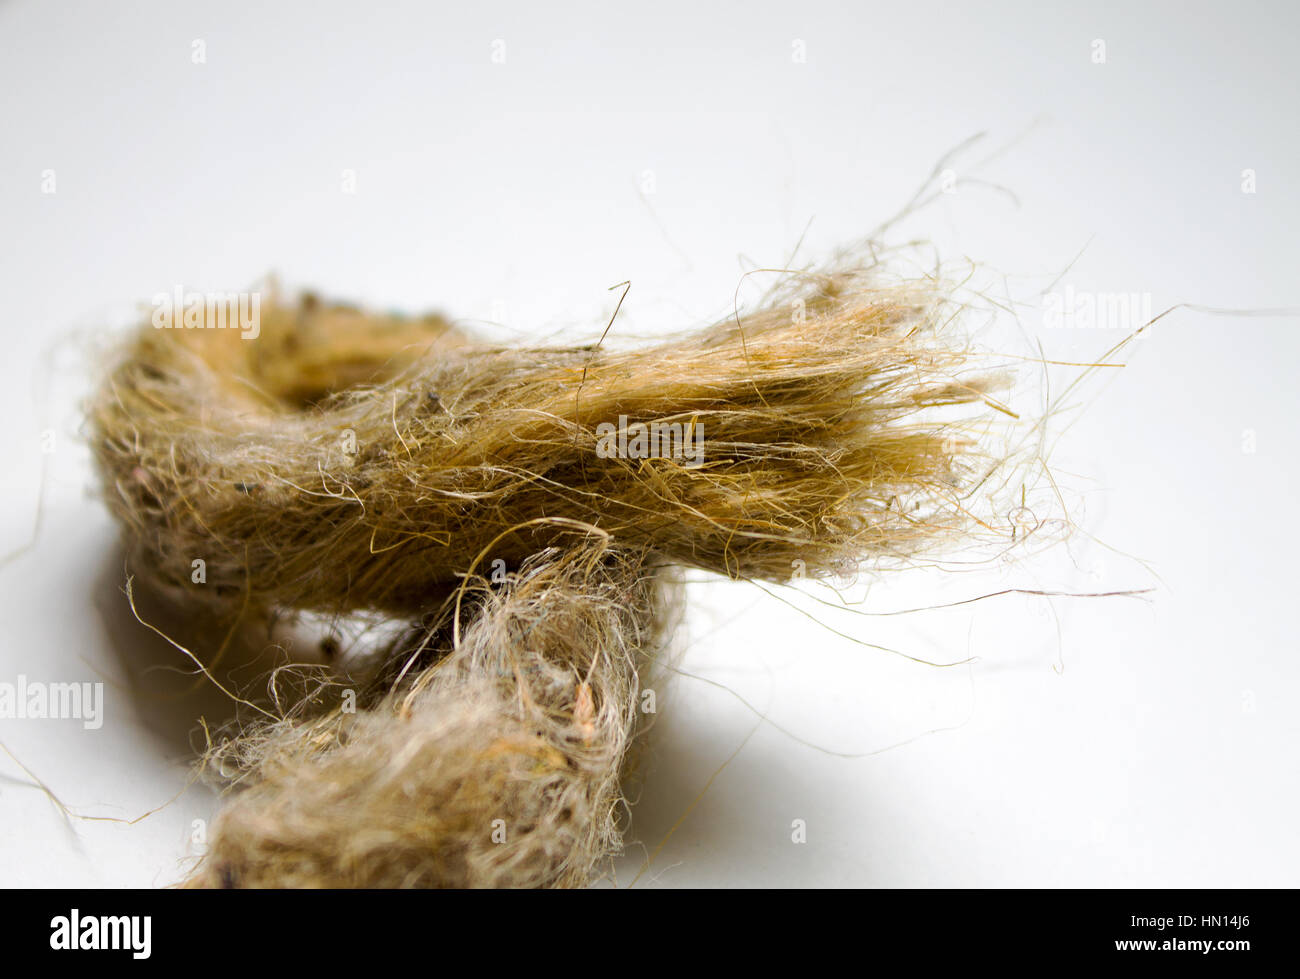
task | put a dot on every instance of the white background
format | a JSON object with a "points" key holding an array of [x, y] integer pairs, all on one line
{"points": [[1116, 742]]}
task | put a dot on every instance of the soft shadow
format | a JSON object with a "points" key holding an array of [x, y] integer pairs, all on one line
{"points": [[169, 693]]}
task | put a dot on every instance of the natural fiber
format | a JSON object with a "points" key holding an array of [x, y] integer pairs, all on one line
{"points": [[344, 463], [496, 762]]}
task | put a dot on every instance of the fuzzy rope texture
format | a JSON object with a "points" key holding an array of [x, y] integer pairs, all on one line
{"points": [[346, 463]]}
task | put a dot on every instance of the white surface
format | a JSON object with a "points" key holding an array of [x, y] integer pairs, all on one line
{"points": [[1162, 754]]}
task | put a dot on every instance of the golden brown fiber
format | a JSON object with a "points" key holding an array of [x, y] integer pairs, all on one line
{"points": [[493, 763], [508, 504]]}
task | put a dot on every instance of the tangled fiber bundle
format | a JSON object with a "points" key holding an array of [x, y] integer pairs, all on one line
{"points": [[498, 764], [345, 463]]}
